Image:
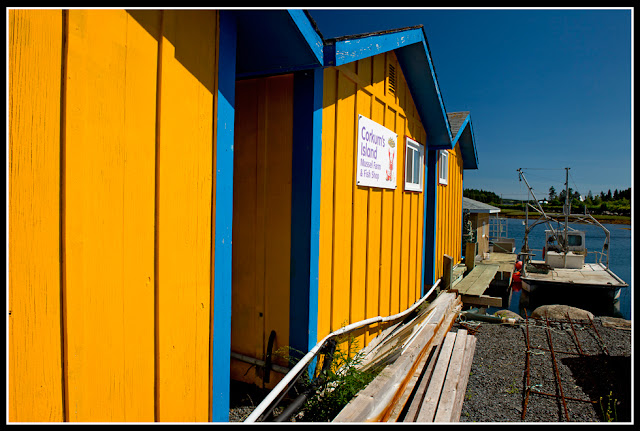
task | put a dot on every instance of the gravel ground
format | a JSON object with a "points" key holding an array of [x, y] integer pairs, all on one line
{"points": [[243, 399], [497, 382], [496, 390]]}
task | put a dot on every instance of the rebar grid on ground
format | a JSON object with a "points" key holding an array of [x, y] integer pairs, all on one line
{"points": [[555, 367], [528, 388]]}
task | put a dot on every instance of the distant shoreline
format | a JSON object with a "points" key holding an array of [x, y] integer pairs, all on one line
{"points": [[616, 220]]}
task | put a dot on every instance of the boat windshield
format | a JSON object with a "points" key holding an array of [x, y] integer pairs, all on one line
{"points": [[575, 240]]}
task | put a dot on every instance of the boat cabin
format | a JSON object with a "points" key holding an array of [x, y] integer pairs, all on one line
{"points": [[576, 251]]}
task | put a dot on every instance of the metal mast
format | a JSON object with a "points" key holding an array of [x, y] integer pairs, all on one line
{"points": [[567, 210]]}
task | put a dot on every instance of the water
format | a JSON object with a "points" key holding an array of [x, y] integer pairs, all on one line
{"points": [[619, 257]]}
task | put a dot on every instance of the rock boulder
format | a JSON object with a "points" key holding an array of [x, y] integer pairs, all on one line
{"points": [[558, 311], [508, 314]]}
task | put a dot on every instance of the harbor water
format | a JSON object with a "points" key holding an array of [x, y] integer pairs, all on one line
{"points": [[619, 263]]}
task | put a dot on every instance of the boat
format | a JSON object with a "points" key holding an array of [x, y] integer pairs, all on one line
{"points": [[565, 267]]}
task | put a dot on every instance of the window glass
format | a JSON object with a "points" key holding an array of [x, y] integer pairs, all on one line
{"points": [[417, 169], [575, 240], [409, 167], [414, 160], [444, 167]]}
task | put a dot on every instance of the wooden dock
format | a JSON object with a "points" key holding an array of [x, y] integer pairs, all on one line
{"points": [[506, 263], [498, 269]]}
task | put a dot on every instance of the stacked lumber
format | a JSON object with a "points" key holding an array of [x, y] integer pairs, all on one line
{"points": [[445, 386], [425, 372]]}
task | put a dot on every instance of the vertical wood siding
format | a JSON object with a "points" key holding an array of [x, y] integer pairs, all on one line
{"points": [[35, 341], [449, 218], [184, 213], [262, 220], [109, 214], [370, 238], [130, 231]]}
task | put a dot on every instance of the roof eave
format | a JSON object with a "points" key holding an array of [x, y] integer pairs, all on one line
{"points": [[262, 35], [467, 144], [412, 50]]}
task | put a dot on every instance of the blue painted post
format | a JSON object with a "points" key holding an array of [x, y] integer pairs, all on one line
{"points": [[431, 200], [425, 221], [221, 351], [305, 209]]}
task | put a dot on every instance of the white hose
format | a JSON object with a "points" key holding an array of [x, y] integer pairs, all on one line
{"points": [[259, 410]]}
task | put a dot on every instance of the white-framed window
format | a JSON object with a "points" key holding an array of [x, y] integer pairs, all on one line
{"points": [[413, 162], [443, 171]]}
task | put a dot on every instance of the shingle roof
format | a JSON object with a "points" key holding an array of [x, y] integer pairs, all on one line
{"points": [[456, 119], [462, 133]]}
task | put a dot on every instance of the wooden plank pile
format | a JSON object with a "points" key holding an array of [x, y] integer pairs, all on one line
{"points": [[426, 369]]}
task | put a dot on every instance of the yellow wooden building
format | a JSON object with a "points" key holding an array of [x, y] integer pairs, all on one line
{"points": [[451, 166], [187, 200]]}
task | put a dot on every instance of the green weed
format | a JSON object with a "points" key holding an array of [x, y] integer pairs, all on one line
{"points": [[513, 388], [341, 382], [608, 410]]}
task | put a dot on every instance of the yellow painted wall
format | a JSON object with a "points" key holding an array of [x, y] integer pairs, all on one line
{"points": [[449, 213], [35, 339], [261, 222], [111, 187], [370, 238]]}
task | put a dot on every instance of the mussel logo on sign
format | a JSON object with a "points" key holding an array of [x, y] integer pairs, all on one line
{"points": [[376, 155]]}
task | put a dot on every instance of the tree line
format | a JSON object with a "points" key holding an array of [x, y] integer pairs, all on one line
{"points": [[483, 196], [617, 202]]}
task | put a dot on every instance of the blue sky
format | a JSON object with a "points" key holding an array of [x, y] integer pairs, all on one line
{"points": [[546, 89]]}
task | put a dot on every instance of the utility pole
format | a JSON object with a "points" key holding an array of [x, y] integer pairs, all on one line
{"points": [[566, 211]]}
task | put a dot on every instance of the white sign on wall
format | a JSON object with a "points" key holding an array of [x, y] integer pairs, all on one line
{"points": [[377, 149]]}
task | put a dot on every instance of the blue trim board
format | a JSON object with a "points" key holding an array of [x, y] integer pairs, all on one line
{"points": [[359, 47], [465, 123], [431, 212], [467, 144], [420, 75], [424, 224], [316, 171], [307, 31], [276, 41], [434, 77], [305, 210], [412, 50], [221, 345]]}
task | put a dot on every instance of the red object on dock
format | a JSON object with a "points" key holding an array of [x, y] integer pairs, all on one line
{"points": [[516, 277]]}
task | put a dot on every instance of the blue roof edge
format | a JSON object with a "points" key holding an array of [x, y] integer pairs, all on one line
{"points": [[412, 50], [308, 30], [419, 71], [351, 48], [467, 144]]}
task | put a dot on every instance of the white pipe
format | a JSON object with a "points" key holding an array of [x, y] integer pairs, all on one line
{"points": [[257, 412], [258, 362]]}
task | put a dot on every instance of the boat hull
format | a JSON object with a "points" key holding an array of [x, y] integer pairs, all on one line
{"points": [[605, 291], [593, 281], [601, 301]]}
